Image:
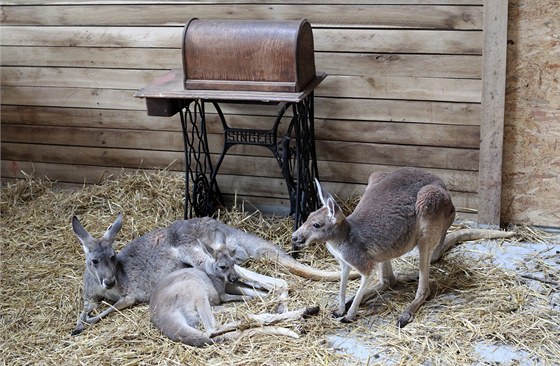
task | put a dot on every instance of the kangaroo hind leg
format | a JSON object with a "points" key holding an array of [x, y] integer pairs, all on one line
{"points": [[434, 211]]}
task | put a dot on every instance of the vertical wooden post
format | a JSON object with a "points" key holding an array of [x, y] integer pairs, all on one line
{"points": [[492, 115]]}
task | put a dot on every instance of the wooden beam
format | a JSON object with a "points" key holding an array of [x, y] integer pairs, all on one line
{"points": [[492, 111]]}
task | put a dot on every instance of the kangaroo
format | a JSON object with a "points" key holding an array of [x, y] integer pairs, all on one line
{"points": [[184, 298], [249, 246], [398, 211], [129, 277], [126, 278]]}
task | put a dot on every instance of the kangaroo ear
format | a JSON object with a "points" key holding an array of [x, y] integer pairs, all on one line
{"points": [[85, 238], [219, 237], [219, 243], [322, 193], [113, 229], [206, 248], [333, 208]]}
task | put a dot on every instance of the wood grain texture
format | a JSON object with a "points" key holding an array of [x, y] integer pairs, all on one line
{"points": [[377, 87], [341, 40], [378, 16], [492, 111], [333, 63], [404, 88], [327, 129]]}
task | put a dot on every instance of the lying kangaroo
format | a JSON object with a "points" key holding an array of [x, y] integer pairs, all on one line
{"points": [[398, 211], [184, 298], [249, 246], [128, 278]]}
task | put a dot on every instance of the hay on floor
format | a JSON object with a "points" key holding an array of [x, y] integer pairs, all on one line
{"points": [[42, 265]]}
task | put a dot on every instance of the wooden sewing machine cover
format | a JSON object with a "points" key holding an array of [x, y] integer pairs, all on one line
{"points": [[248, 55]]}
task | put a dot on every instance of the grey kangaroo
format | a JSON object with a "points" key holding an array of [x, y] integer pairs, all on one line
{"points": [[398, 211], [129, 277], [126, 278], [184, 299]]}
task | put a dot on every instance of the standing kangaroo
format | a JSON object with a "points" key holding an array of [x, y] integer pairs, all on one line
{"points": [[398, 211], [184, 298]]}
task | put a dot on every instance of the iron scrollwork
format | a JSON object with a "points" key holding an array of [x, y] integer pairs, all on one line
{"points": [[202, 194], [294, 151]]}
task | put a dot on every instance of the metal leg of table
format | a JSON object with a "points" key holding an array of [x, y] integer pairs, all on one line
{"points": [[202, 195], [305, 161], [294, 152]]}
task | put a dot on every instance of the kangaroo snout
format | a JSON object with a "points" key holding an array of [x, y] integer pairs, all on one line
{"points": [[233, 277], [108, 283], [299, 240]]}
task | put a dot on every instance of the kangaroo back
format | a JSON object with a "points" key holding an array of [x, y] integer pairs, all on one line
{"points": [[146, 260], [178, 304], [245, 246]]}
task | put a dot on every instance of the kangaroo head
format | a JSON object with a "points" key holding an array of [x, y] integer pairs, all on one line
{"points": [[322, 225], [101, 259], [222, 264]]}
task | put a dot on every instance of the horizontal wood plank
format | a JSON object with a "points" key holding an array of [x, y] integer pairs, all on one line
{"points": [[456, 180], [72, 97], [379, 87], [385, 87], [98, 57], [245, 186], [379, 15], [77, 77], [333, 63], [333, 40], [327, 129], [146, 142], [336, 108], [421, 156], [86, 117], [225, 2]]}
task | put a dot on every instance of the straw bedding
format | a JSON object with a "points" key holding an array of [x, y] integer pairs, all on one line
{"points": [[42, 265]]}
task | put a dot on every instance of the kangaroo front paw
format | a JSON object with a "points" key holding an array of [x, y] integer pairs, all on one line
{"points": [[337, 313], [404, 319], [77, 331], [348, 319]]}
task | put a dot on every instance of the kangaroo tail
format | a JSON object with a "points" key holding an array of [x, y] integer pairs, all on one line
{"points": [[474, 234], [182, 332], [466, 235], [305, 271]]}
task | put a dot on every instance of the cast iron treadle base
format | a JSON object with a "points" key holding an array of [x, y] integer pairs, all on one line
{"points": [[294, 152]]}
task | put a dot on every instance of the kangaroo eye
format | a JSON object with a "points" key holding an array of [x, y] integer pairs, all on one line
{"points": [[113, 258], [95, 262], [316, 225], [223, 268]]}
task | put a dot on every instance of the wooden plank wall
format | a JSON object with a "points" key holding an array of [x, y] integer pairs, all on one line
{"points": [[404, 89]]}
